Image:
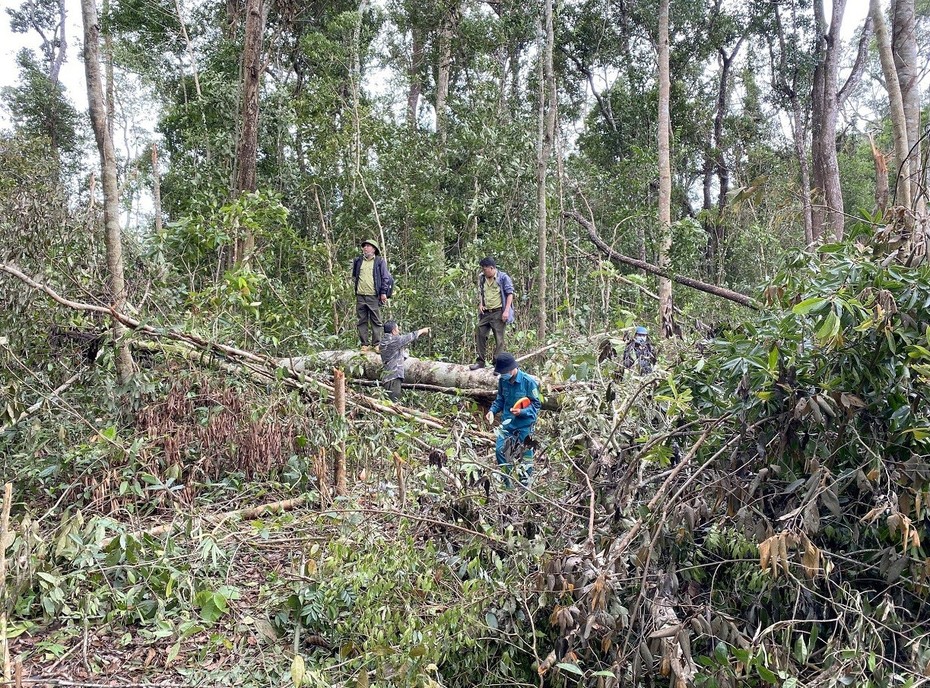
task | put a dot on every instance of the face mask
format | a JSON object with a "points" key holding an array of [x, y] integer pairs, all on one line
{"points": [[506, 377], [641, 338]]}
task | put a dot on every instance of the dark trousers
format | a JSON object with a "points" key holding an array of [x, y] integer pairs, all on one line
{"points": [[490, 321], [369, 311], [392, 387]]}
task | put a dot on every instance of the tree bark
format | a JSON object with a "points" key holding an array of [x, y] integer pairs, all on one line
{"points": [[339, 467], [545, 135], [450, 20], [896, 103], [714, 162], [414, 86], [828, 214], [434, 376], [904, 47], [58, 57], [112, 238], [713, 289], [881, 177], [666, 313], [247, 144]]}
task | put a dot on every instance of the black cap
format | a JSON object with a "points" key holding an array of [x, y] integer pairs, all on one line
{"points": [[390, 326], [504, 364], [487, 262]]}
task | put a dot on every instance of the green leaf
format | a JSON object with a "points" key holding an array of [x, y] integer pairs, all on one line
{"points": [[808, 305], [491, 620], [570, 668], [766, 674], [173, 652], [829, 328]]}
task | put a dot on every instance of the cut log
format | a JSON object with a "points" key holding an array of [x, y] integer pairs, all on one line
{"points": [[436, 376]]}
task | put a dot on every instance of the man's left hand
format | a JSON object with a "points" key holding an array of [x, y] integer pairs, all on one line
{"points": [[505, 314], [383, 298]]}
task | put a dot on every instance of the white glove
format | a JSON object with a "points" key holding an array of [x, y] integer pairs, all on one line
{"points": [[490, 418]]}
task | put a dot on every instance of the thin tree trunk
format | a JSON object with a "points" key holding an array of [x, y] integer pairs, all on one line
{"points": [[190, 48], [545, 134], [156, 190], [712, 289], [714, 162], [339, 385], [896, 103], [666, 314], [62, 48], [247, 145], [4, 528], [800, 151], [108, 62], [112, 238]]}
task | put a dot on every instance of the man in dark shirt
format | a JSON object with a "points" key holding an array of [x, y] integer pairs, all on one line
{"points": [[393, 353]]}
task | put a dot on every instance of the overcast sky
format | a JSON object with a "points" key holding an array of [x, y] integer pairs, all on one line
{"points": [[72, 73]]}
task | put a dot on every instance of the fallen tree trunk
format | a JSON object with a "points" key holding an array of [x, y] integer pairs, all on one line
{"points": [[713, 289], [433, 376]]}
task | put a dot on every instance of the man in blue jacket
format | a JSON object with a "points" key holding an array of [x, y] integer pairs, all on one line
{"points": [[518, 402], [495, 308]]}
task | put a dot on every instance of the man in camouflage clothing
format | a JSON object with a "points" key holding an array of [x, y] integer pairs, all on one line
{"points": [[393, 354], [639, 354]]}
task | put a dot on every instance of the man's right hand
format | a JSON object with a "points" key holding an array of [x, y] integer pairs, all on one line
{"points": [[490, 418], [480, 308], [423, 331]]}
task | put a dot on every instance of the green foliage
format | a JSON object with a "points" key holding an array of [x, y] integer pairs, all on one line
{"points": [[39, 108]]}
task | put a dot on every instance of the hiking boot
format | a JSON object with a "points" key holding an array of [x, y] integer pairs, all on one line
{"points": [[476, 366], [377, 348]]}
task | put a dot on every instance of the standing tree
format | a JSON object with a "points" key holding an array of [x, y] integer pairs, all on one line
{"points": [[112, 239], [896, 103], [247, 145], [447, 30], [827, 101], [544, 138], [666, 312]]}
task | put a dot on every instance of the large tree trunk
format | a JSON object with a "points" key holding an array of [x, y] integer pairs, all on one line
{"points": [[545, 135], [112, 238], [438, 375], [247, 145], [416, 65], [828, 216], [450, 20], [896, 103], [904, 47], [826, 101], [666, 312]]}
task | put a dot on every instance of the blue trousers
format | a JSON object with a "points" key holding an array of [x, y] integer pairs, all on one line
{"points": [[506, 458]]}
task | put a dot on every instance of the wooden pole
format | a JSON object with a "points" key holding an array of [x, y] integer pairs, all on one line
{"points": [[4, 529], [339, 384]]}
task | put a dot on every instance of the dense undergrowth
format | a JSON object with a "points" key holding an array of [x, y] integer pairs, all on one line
{"points": [[755, 513]]}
